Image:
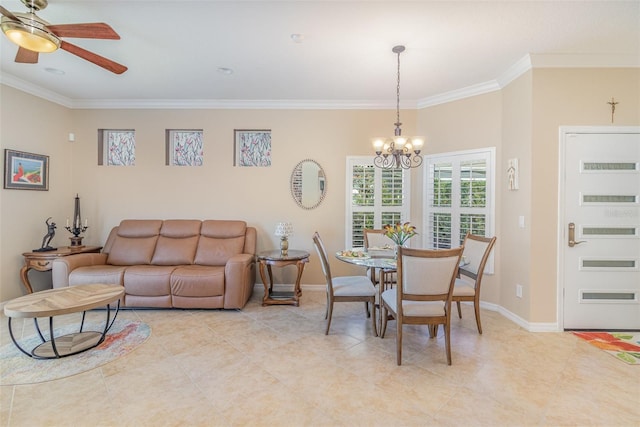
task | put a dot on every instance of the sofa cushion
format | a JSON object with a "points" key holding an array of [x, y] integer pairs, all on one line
{"points": [[219, 241], [197, 281], [136, 242], [148, 280], [87, 275], [177, 242]]}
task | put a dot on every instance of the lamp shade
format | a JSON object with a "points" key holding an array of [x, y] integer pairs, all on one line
{"points": [[284, 229]]}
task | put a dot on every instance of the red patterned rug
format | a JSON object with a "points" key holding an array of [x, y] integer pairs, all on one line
{"points": [[624, 346], [17, 368]]}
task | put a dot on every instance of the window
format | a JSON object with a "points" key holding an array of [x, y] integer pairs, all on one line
{"points": [[459, 197], [375, 197]]}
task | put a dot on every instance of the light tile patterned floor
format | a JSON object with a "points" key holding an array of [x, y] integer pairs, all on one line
{"points": [[273, 366]]}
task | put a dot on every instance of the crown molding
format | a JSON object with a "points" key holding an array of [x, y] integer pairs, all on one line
{"points": [[231, 104], [30, 88], [457, 94]]}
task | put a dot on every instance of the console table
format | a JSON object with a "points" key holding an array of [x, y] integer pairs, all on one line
{"points": [[277, 259], [42, 261]]}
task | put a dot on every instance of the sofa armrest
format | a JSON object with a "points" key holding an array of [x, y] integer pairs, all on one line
{"points": [[239, 277], [61, 268]]}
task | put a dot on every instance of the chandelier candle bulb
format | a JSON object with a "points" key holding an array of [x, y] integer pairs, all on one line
{"points": [[418, 143]]}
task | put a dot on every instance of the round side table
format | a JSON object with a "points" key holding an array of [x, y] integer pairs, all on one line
{"points": [[277, 259]]}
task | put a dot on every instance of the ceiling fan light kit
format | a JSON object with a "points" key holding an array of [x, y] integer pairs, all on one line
{"points": [[34, 35], [30, 33]]}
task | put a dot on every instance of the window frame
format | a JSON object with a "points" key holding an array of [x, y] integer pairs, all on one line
{"points": [[377, 208], [488, 154]]}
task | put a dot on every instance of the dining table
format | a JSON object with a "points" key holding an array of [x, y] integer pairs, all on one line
{"points": [[380, 260]]}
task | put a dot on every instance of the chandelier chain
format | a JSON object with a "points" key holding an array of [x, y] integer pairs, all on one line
{"points": [[398, 95]]}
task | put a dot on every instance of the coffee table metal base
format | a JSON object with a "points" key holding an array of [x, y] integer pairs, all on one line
{"points": [[69, 344]]}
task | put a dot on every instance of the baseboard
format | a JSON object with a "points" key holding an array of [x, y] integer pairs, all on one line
{"points": [[529, 326]]}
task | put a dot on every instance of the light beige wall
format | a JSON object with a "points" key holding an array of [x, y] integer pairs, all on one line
{"points": [[516, 260], [566, 97], [33, 125], [521, 121], [462, 125], [260, 196]]}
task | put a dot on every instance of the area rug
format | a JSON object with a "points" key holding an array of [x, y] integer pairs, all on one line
{"points": [[623, 346], [17, 368]]}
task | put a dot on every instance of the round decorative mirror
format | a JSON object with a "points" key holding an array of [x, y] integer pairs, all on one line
{"points": [[308, 184]]}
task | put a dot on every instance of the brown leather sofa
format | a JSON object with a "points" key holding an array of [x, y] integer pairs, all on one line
{"points": [[172, 263]]}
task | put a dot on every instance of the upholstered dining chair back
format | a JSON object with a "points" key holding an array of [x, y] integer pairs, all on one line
{"points": [[324, 262], [376, 239], [378, 245], [423, 296], [474, 259], [476, 253], [426, 273]]}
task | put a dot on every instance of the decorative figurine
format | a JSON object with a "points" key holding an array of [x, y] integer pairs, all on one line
{"points": [[76, 228], [46, 240]]}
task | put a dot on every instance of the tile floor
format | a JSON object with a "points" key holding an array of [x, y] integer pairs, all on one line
{"points": [[273, 366]]}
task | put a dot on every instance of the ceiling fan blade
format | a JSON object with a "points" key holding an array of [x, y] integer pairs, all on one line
{"points": [[95, 30], [26, 56], [100, 61], [8, 14]]}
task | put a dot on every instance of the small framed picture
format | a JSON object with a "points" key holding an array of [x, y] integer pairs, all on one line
{"points": [[25, 171], [116, 147], [184, 147], [512, 174], [252, 147]]}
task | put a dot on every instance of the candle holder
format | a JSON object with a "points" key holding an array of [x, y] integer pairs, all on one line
{"points": [[76, 228]]}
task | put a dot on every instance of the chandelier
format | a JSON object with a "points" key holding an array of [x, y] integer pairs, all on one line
{"points": [[399, 151]]}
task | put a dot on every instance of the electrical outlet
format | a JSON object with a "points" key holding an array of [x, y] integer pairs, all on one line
{"points": [[519, 291]]}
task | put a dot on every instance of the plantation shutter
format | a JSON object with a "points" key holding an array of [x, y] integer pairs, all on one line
{"points": [[375, 197], [458, 197]]}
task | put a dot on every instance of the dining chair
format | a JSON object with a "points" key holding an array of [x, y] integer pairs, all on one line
{"points": [[475, 256], [345, 288], [381, 246], [423, 294]]}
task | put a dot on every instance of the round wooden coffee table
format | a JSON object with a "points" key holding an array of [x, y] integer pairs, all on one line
{"points": [[56, 302]]}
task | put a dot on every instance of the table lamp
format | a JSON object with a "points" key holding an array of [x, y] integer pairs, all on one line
{"points": [[284, 230]]}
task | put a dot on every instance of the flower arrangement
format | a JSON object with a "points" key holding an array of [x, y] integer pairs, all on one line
{"points": [[400, 233]]}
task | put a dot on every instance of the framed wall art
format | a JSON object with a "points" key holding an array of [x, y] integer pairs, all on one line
{"points": [[184, 147], [25, 171], [116, 147], [252, 147], [512, 174]]}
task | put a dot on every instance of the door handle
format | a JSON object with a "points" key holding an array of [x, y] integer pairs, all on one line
{"points": [[572, 236]]}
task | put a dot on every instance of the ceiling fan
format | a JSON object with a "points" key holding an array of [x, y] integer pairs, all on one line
{"points": [[34, 35]]}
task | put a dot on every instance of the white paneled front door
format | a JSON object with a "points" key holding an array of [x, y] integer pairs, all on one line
{"points": [[599, 248]]}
